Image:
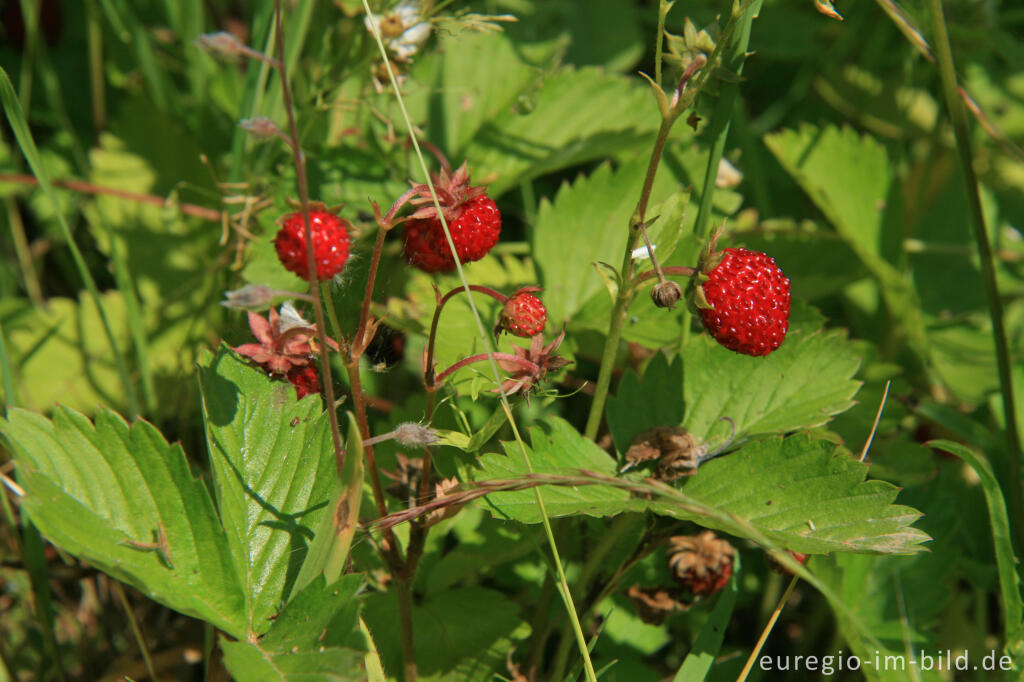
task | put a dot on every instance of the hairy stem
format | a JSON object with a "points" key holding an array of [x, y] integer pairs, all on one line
{"points": [[314, 289], [483, 357], [625, 295]]}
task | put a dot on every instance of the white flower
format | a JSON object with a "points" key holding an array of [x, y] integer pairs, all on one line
{"points": [[290, 317], [414, 33]]}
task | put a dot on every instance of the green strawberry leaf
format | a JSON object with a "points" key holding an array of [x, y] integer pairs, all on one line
{"points": [[801, 385], [315, 637], [591, 217], [450, 626], [643, 403], [473, 79], [273, 469], [558, 133], [60, 354], [123, 499], [846, 175], [800, 493]]}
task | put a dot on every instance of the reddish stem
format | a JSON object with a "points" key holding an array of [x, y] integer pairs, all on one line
{"points": [[506, 357], [428, 367], [89, 188], [680, 270]]}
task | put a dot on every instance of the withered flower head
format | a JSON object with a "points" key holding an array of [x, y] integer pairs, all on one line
{"points": [[406, 478], [283, 344], [677, 451], [524, 377], [446, 487], [701, 563]]}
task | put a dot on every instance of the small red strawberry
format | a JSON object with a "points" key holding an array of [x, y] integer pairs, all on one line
{"points": [[305, 380], [330, 243], [743, 298], [473, 220], [523, 315]]}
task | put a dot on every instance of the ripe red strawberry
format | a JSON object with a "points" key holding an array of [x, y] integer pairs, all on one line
{"points": [[523, 315], [304, 379], [330, 243], [473, 220], [743, 298]]}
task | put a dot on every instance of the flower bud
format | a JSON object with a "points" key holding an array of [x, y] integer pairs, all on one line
{"points": [[666, 294], [249, 297]]}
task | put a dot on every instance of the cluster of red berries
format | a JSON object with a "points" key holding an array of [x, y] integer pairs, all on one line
{"points": [[741, 296]]}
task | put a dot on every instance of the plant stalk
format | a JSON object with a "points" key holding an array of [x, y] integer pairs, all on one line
{"points": [[303, 183], [958, 116], [721, 119], [625, 295]]}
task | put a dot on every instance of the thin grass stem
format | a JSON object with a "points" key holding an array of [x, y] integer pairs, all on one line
{"points": [[958, 115]]}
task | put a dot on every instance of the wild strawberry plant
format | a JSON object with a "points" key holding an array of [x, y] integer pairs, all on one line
{"points": [[733, 315]]}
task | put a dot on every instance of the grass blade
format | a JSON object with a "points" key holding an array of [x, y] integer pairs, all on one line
{"points": [[1009, 581], [16, 118]]}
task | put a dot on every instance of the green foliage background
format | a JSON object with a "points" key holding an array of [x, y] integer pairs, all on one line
{"points": [[206, 485]]}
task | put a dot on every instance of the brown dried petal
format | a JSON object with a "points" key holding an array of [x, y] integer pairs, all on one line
{"points": [[653, 604], [443, 488], [677, 450]]}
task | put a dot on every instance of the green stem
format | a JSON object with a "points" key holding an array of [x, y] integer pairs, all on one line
{"points": [[625, 294], [563, 584], [402, 586], [958, 116], [724, 108], [96, 76], [136, 629]]}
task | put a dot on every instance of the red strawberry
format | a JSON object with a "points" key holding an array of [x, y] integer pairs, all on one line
{"points": [[330, 243], [523, 315], [304, 379], [743, 298], [473, 220]]}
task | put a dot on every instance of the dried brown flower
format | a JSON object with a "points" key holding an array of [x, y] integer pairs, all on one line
{"points": [[701, 563], [653, 604], [677, 451]]}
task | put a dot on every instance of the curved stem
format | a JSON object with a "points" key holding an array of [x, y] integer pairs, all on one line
{"points": [[360, 341], [428, 368], [678, 270], [481, 357]]}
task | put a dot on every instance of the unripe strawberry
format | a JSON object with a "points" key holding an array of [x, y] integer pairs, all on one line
{"points": [[473, 220], [330, 243], [523, 315], [743, 299]]}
